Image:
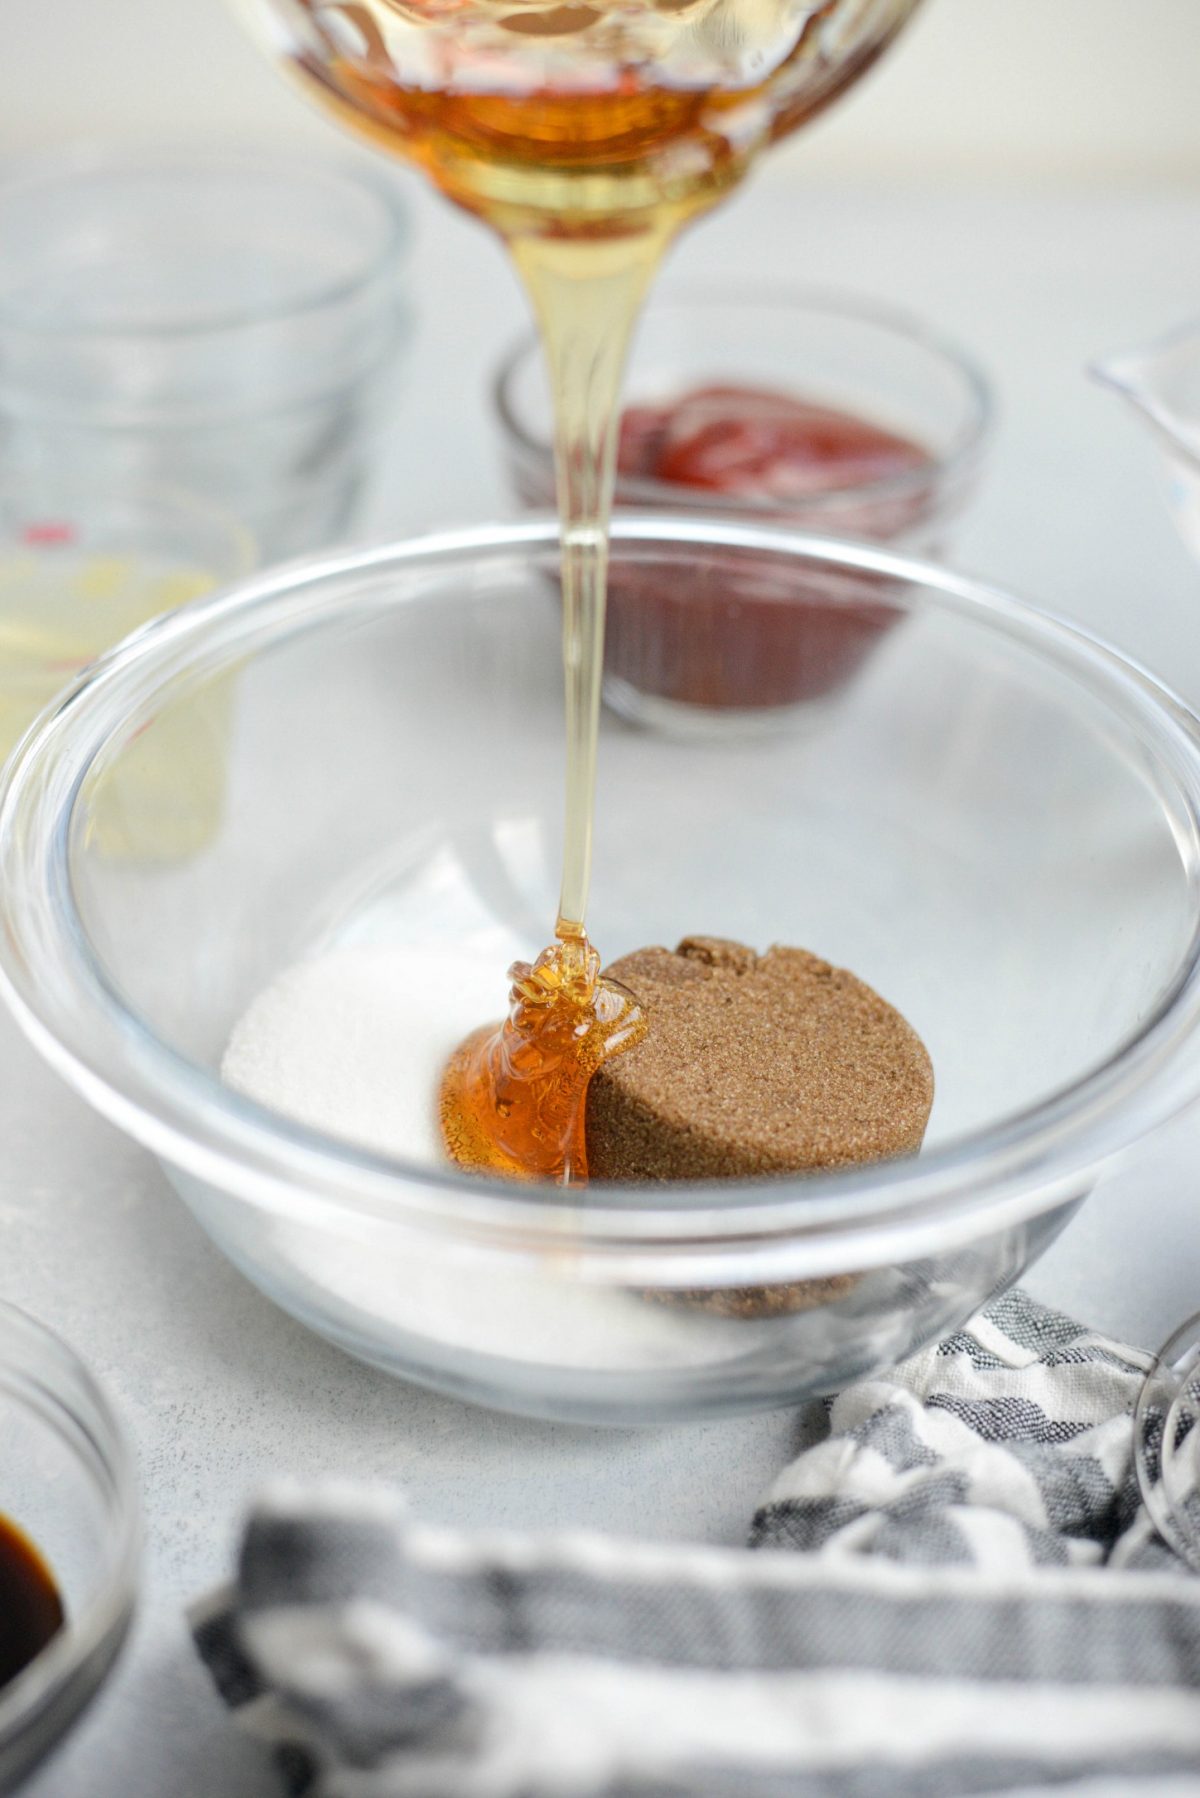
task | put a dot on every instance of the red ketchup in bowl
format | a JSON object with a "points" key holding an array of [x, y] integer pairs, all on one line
{"points": [[736, 638], [759, 445]]}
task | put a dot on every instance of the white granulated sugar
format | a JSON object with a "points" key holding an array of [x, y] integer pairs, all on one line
{"points": [[352, 1043]]}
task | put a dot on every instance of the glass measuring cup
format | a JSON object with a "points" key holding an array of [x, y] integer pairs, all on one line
{"points": [[83, 563], [1161, 381]]}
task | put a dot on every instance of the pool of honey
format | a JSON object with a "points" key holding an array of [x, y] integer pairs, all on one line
{"points": [[512, 1095]]}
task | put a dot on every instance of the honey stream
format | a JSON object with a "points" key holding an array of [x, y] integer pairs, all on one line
{"points": [[512, 1097]]}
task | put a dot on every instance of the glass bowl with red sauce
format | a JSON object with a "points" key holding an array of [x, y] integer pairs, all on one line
{"points": [[818, 411], [69, 1538]]}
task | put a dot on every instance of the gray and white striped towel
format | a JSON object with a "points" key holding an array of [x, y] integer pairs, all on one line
{"points": [[980, 1606]]}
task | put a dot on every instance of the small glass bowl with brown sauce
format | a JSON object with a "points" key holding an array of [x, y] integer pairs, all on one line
{"points": [[816, 411], [69, 1537]]}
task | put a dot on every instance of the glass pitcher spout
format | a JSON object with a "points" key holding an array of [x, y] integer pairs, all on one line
{"points": [[1161, 381]]}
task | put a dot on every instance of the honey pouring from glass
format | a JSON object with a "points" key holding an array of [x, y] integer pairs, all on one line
{"points": [[587, 134]]}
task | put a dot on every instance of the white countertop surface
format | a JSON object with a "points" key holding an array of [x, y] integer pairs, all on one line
{"points": [[219, 1389]]}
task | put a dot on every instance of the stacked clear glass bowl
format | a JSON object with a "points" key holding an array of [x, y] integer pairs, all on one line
{"points": [[991, 818]]}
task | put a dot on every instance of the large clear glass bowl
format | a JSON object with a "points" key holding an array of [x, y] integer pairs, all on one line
{"points": [[995, 823]]}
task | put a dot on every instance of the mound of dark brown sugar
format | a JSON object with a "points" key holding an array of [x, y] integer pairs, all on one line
{"points": [[754, 1064]]}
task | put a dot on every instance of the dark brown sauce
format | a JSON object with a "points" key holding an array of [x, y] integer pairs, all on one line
{"points": [[31, 1609]]}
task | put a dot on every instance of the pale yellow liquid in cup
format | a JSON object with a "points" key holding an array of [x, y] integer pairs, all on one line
{"points": [[161, 794]]}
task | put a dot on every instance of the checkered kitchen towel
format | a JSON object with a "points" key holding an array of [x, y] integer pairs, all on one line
{"points": [[978, 1605]]}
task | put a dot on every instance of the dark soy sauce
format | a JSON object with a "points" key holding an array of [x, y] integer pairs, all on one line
{"points": [[31, 1610]]}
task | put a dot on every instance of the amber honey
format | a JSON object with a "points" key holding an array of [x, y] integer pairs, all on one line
{"points": [[512, 1097], [589, 116]]}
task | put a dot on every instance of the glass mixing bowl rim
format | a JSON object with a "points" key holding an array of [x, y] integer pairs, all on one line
{"points": [[60, 994], [86, 159], [647, 494], [106, 1614]]}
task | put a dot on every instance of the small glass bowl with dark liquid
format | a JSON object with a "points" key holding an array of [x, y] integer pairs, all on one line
{"points": [[816, 411], [68, 1540]]}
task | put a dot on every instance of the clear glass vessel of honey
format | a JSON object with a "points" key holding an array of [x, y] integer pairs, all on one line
{"points": [[587, 134]]}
